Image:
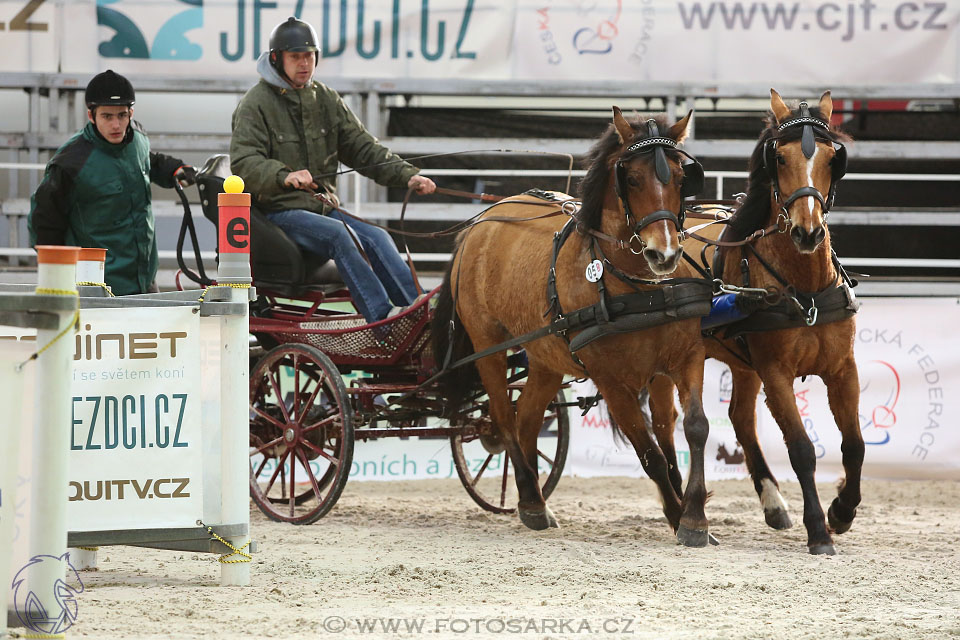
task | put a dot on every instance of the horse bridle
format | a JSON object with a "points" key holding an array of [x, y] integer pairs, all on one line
{"points": [[813, 129], [692, 180]]}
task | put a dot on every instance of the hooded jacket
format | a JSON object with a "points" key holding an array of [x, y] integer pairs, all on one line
{"points": [[97, 194], [278, 129]]}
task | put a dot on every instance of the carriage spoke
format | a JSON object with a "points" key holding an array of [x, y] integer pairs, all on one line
{"points": [[313, 478], [295, 409], [503, 485], [268, 418], [309, 402], [263, 463], [320, 423], [262, 449], [483, 468], [542, 455], [278, 393], [273, 478], [293, 487], [321, 452]]}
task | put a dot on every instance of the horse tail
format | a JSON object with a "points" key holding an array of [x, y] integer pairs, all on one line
{"points": [[451, 342], [619, 437]]}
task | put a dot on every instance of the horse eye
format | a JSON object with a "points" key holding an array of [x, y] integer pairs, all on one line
{"points": [[780, 159], [632, 182]]}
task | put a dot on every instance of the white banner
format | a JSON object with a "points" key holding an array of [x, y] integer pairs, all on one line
{"points": [[819, 42], [135, 443], [135, 440], [908, 362], [16, 389]]}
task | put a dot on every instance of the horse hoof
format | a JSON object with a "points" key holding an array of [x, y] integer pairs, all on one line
{"points": [[692, 537], [538, 520], [778, 519], [838, 525], [822, 550]]}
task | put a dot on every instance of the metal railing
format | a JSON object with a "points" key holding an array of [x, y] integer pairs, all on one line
{"points": [[423, 210], [55, 111]]}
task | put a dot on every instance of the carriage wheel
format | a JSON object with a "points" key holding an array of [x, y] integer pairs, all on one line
{"points": [[301, 434], [484, 466]]}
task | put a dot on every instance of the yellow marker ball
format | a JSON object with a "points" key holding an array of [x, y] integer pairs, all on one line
{"points": [[233, 184]]}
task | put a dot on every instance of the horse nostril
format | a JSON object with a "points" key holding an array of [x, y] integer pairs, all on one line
{"points": [[818, 235], [797, 234], [653, 256]]}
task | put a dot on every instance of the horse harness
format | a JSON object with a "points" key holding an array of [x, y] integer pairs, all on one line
{"points": [[774, 309], [673, 299], [654, 143], [813, 129]]}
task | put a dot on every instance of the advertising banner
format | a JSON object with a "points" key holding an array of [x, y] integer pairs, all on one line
{"points": [[821, 42], [135, 439], [16, 389], [135, 444], [908, 363]]}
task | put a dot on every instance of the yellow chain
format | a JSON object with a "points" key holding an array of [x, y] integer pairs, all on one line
{"points": [[88, 548], [38, 636], [45, 291], [229, 284], [234, 551], [73, 324], [102, 285]]}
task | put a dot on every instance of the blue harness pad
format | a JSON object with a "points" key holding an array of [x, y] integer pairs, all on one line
{"points": [[723, 310]]}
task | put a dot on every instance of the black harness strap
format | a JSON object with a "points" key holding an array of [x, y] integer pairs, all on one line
{"points": [[648, 309], [799, 309]]}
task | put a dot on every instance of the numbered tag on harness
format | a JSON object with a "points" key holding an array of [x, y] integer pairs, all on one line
{"points": [[594, 271]]}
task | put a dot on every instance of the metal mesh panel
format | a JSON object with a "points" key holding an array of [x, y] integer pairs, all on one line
{"points": [[354, 339]]}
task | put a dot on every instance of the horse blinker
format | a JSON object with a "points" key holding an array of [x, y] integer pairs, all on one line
{"points": [[692, 179]]}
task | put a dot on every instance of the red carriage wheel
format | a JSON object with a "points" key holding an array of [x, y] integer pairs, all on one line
{"points": [[301, 434], [484, 467]]}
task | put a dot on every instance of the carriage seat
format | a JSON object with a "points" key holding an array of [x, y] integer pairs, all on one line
{"points": [[276, 261]]}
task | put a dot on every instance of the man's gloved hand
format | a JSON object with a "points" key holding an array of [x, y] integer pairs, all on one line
{"points": [[185, 175]]}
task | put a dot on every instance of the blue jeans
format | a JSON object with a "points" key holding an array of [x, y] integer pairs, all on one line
{"points": [[375, 291]]}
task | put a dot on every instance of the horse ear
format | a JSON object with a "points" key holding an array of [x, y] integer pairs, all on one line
{"points": [[624, 130], [826, 106], [780, 110], [681, 129]]}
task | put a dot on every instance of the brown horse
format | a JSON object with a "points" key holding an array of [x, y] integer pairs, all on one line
{"points": [[794, 170], [497, 288]]}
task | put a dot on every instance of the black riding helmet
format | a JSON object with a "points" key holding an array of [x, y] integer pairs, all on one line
{"points": [[109, 89], [292, 35]]}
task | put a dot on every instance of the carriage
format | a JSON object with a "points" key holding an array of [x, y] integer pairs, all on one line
{"points": [[322, 378], [794, 316]]}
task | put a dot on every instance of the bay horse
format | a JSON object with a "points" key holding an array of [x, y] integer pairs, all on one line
{"points": [[506, 279], [808, 330]]}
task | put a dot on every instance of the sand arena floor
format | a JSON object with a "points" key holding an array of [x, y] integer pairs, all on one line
{"points": [[421, 556]]}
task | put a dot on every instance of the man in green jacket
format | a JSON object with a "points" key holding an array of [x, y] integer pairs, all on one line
{"points": [[96, 188], [289, 133]]}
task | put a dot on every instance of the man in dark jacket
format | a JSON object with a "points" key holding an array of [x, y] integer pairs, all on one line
{"points": [[96, 188], [289, 133]]}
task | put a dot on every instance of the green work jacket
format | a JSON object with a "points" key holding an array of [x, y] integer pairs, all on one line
{"points": [[97, 194], [279, 130]]}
